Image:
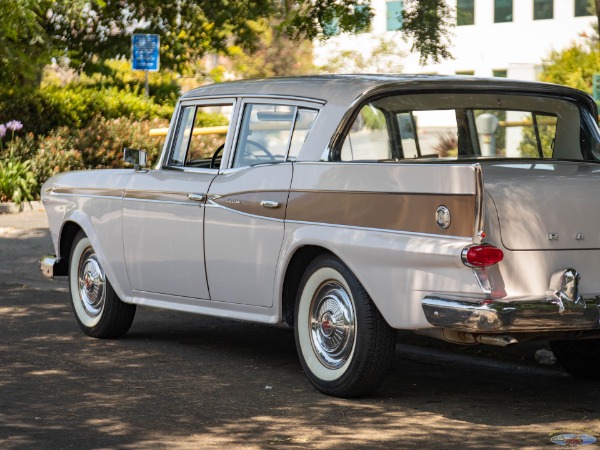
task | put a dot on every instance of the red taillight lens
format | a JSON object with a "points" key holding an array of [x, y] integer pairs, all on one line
{"points": [[482, 255]]}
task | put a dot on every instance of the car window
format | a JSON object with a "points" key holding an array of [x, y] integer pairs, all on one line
{"points": [[304, 121], [368, 138], [201, 135], [272, 133], [484, 126]]}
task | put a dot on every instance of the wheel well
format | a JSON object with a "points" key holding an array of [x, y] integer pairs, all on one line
{"points": [[293, 275], [67, 236]]}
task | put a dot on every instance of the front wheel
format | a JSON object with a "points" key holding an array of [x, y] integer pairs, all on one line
{"points": [[581, 358], [98, 310], [344, 344]]}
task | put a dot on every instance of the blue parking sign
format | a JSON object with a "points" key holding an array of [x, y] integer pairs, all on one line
{"points": [[145, 52]]}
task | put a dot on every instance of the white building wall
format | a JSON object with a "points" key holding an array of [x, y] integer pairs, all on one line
{"points": [[518, 47]]}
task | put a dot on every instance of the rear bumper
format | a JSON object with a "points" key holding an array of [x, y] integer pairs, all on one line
{"points": [[511, 315], [51, 267]]}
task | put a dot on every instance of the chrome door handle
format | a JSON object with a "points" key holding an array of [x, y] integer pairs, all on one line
{"points": [[196, 197], [269, 204]]}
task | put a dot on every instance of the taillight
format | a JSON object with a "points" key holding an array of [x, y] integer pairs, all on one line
{"points": [[481, 255]]}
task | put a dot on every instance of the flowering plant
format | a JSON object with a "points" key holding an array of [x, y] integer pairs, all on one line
{"points": [[13, 125]]}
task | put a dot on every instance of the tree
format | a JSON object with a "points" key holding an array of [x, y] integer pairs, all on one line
{"points": [[428, 23], [573, 66], [87, 32], [384, 57], [23, 45]]}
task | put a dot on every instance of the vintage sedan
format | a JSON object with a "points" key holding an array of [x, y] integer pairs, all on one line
{"points": [[349, 207]]}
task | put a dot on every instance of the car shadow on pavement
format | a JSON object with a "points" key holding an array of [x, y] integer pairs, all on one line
{"points": [[185, 381]]}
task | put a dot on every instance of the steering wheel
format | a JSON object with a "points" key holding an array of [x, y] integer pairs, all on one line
{"points": [[261, 147], [213, 160]]}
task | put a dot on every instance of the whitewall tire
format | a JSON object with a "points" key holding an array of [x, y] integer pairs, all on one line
{"points": [[344, 344], [98, 310]]}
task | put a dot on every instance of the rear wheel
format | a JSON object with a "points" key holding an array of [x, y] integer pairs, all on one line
{"points": [[98, 310], [344, 344], [581, 358]]}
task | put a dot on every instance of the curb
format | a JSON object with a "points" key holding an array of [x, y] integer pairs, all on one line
{"points": [[13, 208]]}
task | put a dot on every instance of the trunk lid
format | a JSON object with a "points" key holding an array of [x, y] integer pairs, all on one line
{"points": [[545, 205]]}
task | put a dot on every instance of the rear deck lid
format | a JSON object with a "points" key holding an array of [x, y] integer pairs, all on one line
{"points": [[546, 205]]}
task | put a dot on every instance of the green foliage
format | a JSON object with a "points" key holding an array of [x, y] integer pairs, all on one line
{"points": [[384, 57], [24, 47], [75, 105], [101, 143], [573, 66], [273, 55], [428, 23], [17, 180], [118, 74], [528, 145]]}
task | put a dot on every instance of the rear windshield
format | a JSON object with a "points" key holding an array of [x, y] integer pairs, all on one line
{"points": [[470, 126]]}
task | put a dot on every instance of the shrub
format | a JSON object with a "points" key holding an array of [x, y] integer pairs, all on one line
{"points": [[101, 143], [75, 106], [55, 154], [17, 180]]}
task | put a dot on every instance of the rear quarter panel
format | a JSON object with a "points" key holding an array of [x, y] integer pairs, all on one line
{"points": [[380, 220]]}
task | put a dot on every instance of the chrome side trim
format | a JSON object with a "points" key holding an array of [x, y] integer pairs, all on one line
{"points": [[379, 230], [479, 206], [509, 315]]}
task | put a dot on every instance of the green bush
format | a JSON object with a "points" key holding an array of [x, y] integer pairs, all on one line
{"points": [[55, 153], [75, 106], [101, 143], [17, 180]]}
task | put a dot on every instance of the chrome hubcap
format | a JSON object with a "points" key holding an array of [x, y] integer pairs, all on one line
{"points": [[332, 324], [91, 284]]}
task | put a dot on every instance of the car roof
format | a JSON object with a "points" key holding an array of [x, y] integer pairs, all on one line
{"points": [[344, 89]]}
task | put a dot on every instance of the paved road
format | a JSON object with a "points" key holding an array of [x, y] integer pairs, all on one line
{"points": [[178, 381]]}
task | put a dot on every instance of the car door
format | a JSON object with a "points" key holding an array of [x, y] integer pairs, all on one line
{"points": [[244, 217], [163, 209]]}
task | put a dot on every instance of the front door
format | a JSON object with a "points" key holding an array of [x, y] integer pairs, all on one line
{"points": [[163, 210]]}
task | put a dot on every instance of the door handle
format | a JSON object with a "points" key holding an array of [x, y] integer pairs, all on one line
{"points": [[196, 197], [269, 204]]}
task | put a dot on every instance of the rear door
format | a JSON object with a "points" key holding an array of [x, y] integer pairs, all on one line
{"points": [[244, 222]]}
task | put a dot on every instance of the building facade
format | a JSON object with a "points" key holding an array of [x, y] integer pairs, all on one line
{"points": [[506, 38]]}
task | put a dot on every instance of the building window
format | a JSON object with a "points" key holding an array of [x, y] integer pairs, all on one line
{"points": [[503, 11], [500, 73], [584, 8], [394, 15], [465, 72], [543, 9], [465, 12]]}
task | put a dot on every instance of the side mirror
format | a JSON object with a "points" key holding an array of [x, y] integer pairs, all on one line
{"points": [[136, 157]]}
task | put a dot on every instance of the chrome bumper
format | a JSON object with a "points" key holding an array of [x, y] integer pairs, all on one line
{"points": [[511, 315], [51, 267]]}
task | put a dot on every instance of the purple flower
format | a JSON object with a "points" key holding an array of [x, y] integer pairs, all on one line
{"points": [[2, 131], [14, 125]]}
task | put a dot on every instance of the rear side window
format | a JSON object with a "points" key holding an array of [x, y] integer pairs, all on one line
{"points": [[272, 133], [476, 126]]}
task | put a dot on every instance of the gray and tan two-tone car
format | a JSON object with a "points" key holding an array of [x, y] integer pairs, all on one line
{"points": [[349, 207]]}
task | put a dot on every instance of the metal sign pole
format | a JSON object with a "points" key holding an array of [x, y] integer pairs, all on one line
{"points": [[147, 84]]}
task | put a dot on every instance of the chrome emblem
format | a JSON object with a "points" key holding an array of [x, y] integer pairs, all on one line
{"points": [[442, 217], [579, 237], [553, 236]]}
